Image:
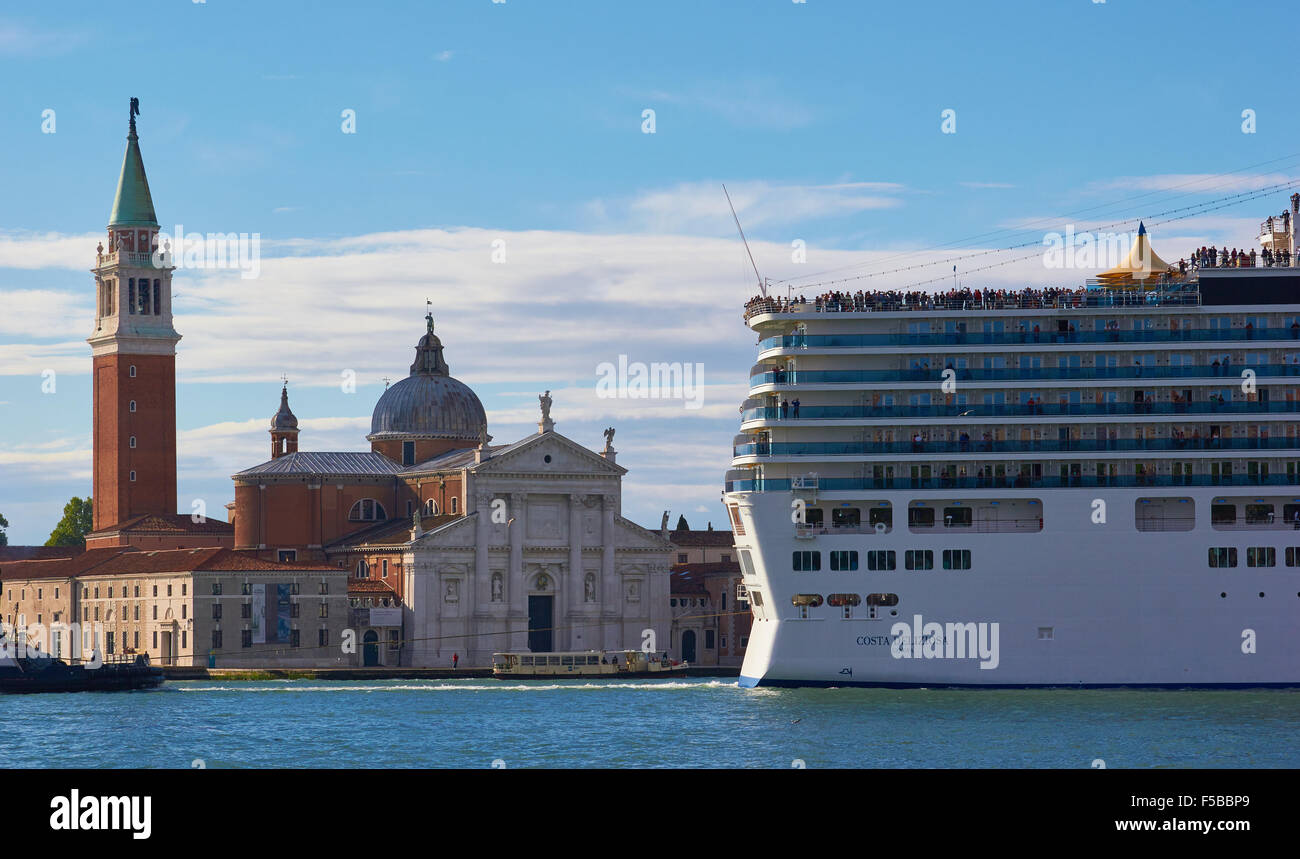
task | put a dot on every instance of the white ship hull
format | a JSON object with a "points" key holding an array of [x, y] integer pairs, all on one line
{"points": [[1078, 603]]}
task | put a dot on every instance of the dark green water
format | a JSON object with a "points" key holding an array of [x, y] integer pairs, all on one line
{"points": [[670, 723]]}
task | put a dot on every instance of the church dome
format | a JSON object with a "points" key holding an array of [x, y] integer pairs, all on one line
{"points": [[429, 403]]}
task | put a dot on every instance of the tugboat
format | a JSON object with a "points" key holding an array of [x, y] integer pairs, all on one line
{"points": [[585, 663], [46, 674]]}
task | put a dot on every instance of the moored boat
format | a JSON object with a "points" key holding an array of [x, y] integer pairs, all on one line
{"points": [[45, 674], [587, 663]]}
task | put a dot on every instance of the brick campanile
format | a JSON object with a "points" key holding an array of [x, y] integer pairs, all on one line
{"points": [[134, 353]]}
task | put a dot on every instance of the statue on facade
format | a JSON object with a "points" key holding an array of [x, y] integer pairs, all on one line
{"points": [[589, 588], [545, 424], [496, 587], [609, 437]]}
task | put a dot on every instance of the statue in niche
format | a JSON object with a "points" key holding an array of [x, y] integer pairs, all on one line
{"points": [[589, 588], [453, 591], [543, 583], [497, 587], [633, 592]]}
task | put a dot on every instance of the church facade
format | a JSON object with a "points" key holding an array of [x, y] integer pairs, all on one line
{"points": [[484, 548]]}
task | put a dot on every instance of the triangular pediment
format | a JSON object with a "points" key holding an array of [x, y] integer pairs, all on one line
{"points": [[567, 457]]}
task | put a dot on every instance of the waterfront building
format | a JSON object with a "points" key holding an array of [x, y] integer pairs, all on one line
{"points": [[711, 613]]}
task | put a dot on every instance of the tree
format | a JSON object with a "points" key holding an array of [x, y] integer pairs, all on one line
{"points": [[75, 524], [4, 538], [681, 524]]}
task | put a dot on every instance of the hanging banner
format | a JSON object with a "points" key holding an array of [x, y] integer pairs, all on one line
{"points": [[259, 614]]}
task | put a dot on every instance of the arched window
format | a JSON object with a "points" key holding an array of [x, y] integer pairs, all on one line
{"points": [[131, 372], [367, 510], [133, 405], [132, 441], [431, 507], [363, 571], [455, 504]]}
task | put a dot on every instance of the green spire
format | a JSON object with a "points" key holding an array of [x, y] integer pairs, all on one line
{"points": [[133, 206]]}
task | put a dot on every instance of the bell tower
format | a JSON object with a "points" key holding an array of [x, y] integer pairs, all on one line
{"points": [[133, 349]]}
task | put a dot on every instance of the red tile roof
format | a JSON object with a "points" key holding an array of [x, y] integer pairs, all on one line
{"points": [[170, 523], [701, 538], [129, 561], [37, 553], [369, 586]]}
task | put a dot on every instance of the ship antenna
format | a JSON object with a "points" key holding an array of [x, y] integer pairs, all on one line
{"points": [[762, 284]]}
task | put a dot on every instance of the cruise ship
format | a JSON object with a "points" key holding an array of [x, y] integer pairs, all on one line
{"points": [[1096, 486]]}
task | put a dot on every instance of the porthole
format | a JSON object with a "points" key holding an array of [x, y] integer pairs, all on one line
{"points": [[546, 458], [1223, 596]]}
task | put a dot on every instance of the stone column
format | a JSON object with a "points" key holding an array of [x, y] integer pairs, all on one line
{"points": [[517, 586], [482, 536], [578, 636], [611, 594]]}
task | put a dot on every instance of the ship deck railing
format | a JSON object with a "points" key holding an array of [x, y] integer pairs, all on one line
{"points": [[1231, 373], [999, 526], [1019, 338], [1197, 407], [860, 484], [1097, 294], [868, 448]]}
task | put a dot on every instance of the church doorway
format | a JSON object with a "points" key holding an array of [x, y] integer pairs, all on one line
{"points": [[370, 650], [541, 620], [688, 646]]}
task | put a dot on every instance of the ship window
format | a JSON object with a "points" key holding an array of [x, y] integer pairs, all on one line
{"points": [[958, 517], [1259, 514], [1045, 633], [920, 517], [367, 510], [1292, 556], [812, 600], [882, 599], [919, 559], [956, 559], [757, 598], [839, 600], [846, 517], [1223, 514], [844, 561], [746, 562], [813, 516], [882, 559], [880, 516], [806, 562], [1223, 557], [1291, 513], [1261, 556]]}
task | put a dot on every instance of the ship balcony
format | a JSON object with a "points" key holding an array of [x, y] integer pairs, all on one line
{"points": [[797, 344], [777, 380], [764, 451], [851, 415]]}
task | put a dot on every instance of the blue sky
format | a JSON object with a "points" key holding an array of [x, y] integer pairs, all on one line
{"points": [[522, 122]]}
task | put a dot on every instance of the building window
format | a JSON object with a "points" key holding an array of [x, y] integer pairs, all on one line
{"points": [[726, 559], [708, 639], [216, 611], [293, 588], [135, 640], [136, 591], [155, 590], [216, 639], [184, 639], [293, 609], [681, 557], [130, 295], [157, 297], [807, 562], [169, 590], [245, 589], [246, 638], [185, 588], [131, 442], [324, 638], [324, 609], [394, 640], [385, 572], [431, 507], [108, 642], [367, 510], [324, 587], [216, 589], [155, 612], [246, 610], [363, 570], [408, 453], [131, 371], [133, 477], [155, 639], [288, 556], [293, 638], [455, 504], [185, 608], [131, 405]]}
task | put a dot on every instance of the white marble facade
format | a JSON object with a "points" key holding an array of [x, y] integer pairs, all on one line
{"points": [[543, 521]]}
